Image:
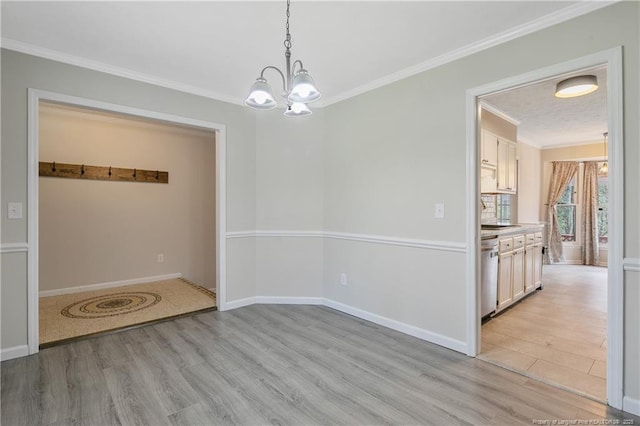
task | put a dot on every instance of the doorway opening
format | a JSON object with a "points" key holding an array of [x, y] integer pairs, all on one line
{"points": [[557, 335], [518, 336], [114, 251]]}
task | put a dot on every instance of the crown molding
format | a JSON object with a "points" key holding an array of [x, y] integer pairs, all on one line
{"points": [[66, 58], [495, 111], [541, 23]]}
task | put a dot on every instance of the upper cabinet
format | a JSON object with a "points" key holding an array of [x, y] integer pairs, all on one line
{"points": [[498, 164], [488, 149], [506, 167]]}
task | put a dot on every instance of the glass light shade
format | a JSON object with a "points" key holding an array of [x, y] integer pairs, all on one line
{"points": [[260, 95], [297, 109], [604, 170], [303, 89], [576, 86]]}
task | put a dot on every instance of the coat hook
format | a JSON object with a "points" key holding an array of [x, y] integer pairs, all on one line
{"points": [[53, 167], [82, 169], [157, 175], [109, 171], [135, 172]]}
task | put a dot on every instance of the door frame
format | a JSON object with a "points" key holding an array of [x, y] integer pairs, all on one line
{"points": [[35, 96], [612, 58]]}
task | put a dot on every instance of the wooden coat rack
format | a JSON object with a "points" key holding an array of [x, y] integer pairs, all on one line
{"points": [[83, 171]]}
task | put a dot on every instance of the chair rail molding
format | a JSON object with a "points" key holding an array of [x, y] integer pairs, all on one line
{"points": [[631, 264], [14, 248], [451, 246]]}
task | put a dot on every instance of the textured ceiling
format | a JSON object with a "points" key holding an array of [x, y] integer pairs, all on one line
{"points": [[547, 121], [216, 49]]}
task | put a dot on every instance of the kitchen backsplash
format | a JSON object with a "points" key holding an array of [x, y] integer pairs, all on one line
{"points": [[488, 208]]}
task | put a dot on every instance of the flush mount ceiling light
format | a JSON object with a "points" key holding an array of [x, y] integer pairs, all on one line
{"points": [[298, 86], [576, 86]]}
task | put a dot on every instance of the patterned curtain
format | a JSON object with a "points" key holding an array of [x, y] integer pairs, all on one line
{"points": [[563, 171], [590, 249]]}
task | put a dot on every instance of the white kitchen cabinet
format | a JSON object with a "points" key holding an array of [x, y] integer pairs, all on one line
{"points": [[506, 167], [519, 267], [488, 149], [537, 261], [533, 262], [517, 276], [505, 271], [529, 264]]}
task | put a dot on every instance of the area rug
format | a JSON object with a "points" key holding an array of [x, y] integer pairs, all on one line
{"points": [[69, 316]]}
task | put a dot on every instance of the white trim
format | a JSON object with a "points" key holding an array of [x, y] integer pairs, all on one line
{"points": [[78, 61], [631, 264], [289, 300], [240, 303], [551, 19], [397, 241], [365, 238], [110, 284], [14, 247], [631, 405], [402, 327], [573, 144], [612, 58], [543, 22], [411, 330], [14, 352], [34, 98], [495, 111], [275, 234]]}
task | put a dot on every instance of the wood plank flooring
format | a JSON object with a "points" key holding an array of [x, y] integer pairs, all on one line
{"points": [[559, 334], [273, 364]]}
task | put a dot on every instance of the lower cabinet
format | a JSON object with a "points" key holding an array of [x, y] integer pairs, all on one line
{"points": [[505, 272], [519, 267], [517, 279]]}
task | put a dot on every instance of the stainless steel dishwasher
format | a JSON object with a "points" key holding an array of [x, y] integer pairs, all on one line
{"points": [[489, 272]]}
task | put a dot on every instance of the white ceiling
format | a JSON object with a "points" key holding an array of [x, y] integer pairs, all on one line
{"points": [[547, 121], [217, 49]]}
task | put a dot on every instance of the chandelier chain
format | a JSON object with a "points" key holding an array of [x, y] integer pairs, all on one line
{"points": [[287, 40]]}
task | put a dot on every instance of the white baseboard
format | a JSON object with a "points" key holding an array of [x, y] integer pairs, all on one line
{"points": [[234, 304], [631, 405], [14, 352], [111, 284], [275, 300], [411, 330]]}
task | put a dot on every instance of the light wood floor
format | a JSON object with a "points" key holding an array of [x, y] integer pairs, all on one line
{"points": [[558, 334], [273, 364]]}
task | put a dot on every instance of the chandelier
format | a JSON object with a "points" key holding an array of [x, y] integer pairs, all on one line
{"points": [[604, 170], [298, 86]]}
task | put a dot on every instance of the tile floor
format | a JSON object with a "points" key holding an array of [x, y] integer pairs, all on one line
{"points": [[177, 297], [558, 334]]}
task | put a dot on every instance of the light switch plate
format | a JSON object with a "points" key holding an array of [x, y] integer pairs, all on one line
{"points": [[439, 211], [14, 210]]}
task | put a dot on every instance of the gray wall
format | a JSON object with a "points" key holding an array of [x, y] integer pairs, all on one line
{"points": [[20, 72], [289, 189], [93, 232], [387, 156], [392, 153]]}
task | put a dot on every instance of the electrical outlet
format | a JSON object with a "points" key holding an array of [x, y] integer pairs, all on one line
{"points": [[343, 279], [14, 211], [160, 258], [439, 211]]}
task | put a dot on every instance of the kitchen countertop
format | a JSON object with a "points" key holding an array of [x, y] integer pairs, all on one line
{"points": [[521, 228]]}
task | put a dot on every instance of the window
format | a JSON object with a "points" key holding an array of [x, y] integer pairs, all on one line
{"points": [[503, 208], [603, 213], [566, 212]]}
